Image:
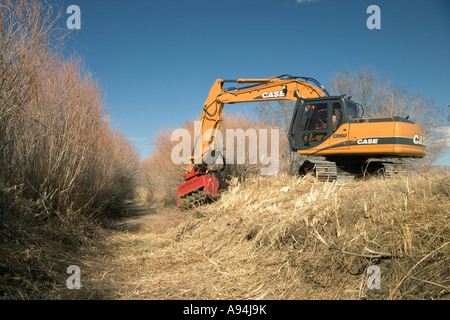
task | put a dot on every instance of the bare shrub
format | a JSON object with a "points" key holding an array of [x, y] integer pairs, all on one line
{"points": [[56, 138], [279, 114], [60, 162], [382, 98], [161, 176]]}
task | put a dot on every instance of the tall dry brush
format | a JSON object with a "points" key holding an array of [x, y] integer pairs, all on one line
{"points": [[60, 161], [161, 176], [55, 136]]}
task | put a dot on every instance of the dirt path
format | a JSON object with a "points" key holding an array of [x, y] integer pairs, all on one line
{"points": [[139, 216], [133, 260]]}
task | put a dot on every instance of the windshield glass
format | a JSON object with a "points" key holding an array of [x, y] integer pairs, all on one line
{"points": [[354, 111]]}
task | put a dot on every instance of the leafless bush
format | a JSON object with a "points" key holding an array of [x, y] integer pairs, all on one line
{"points": [[279, 114], [55, 137], [382, 98], [161, 176], [60, 162]]}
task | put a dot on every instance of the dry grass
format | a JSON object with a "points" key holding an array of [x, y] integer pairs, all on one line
{"points": [[61, 164], [289, 238], [36, 250]]}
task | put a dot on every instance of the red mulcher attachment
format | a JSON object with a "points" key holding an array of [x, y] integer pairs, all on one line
{"points": [[197, 190]]}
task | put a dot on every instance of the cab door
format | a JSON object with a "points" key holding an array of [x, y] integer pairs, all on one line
{"points": [[311, 126], [339, 128]]}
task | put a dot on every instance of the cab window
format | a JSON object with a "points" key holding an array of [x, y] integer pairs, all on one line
{"points": [[336, 117], [353, 111], [315, 117]]}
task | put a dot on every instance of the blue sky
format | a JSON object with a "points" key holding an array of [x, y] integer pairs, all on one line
{"points": [[156, 60]]}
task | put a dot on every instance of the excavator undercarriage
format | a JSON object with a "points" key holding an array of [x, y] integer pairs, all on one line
{"points": [[347, 169]]}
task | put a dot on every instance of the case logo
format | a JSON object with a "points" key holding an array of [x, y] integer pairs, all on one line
{"points": [[273, 94], [419, 140], [367, 141]]}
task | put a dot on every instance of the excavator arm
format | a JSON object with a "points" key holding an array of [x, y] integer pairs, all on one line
{"points": [[199, 185]]}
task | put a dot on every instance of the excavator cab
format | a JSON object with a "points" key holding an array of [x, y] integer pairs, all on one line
{"points": [[316, 120], [334, 127]]}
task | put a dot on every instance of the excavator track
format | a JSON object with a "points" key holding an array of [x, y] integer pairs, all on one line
{"points": [[325, 171], [322, 170], [390, 169]]}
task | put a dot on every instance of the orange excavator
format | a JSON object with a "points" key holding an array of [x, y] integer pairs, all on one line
{"points": [[330, 127]]}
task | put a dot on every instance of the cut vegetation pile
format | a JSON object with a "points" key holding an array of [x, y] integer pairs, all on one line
{"points": [[284, 237]]}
